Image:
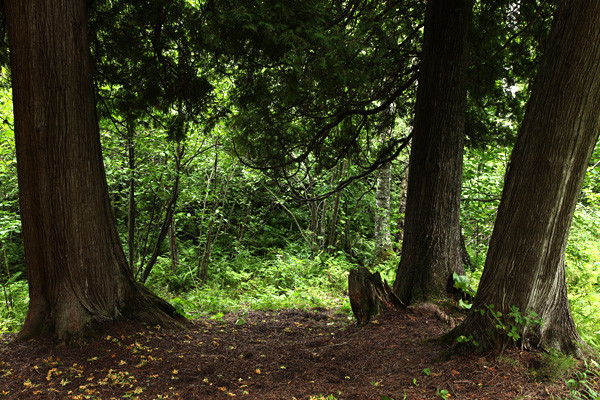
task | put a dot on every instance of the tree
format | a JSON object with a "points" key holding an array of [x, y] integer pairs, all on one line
{"points": [[76, 267], [381, 216], [506, 42], [313, 81], [431, 244], [524, 272]]}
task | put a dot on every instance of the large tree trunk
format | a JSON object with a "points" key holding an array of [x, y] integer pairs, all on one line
{"points": [[76, 267], [431, 244], [525, 263]]}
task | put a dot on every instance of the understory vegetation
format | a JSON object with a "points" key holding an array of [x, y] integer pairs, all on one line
{"points": [[217, 215], [235, 244], [238, 158]]}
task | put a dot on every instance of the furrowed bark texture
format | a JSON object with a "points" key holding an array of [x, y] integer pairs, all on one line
{"points": [[76, 267], [431, 244], [526, 257]]}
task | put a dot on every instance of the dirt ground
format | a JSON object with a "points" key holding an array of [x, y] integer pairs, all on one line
{"points": [[293, 354]]}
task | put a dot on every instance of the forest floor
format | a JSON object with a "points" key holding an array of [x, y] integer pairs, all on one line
{"points": [[290, 354]]}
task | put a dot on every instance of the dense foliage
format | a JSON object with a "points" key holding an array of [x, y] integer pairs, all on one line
{"points": [[193, 95]]}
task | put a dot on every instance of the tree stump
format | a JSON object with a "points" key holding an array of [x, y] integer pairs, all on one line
{"points": [[369, 294]]}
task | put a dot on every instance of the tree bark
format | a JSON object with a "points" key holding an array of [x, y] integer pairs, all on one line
{"points": [[381, 217], [399, 236], [525, 262], [203, 269], [131, 207], [332, 236], [431, 245], [173, 247], [369, 294], [166, 224], [76, 267], [383, 236], [214, 227]]}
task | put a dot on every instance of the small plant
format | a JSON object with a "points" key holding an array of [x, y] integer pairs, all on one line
{"points": [[462, 282], [580, 387], [521, 322], [218, 316], [513, 326], [554, 365], [443, 393], [181, 305], [467, 339]]}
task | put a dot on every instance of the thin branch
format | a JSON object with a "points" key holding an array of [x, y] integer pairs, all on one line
{"points": [[310, 244]]}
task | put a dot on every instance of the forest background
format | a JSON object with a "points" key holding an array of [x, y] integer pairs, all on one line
{"points": [[206, 222]]}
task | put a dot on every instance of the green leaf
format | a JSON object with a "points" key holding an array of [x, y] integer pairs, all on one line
{"points": [[464, 305]]}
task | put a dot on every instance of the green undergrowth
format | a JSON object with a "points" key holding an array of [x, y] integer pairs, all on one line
{"points": [[13, 308], [553, 366], [582, 263], [583, 283], [286, 280], [583, 273], [246, 282]]}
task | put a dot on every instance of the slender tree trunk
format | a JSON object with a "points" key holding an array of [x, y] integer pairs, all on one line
{"points": [[169, 211], [347, 246], [322, 224], [203, 273], [350, 216], [145, 243], [525, 263], [316, 208], [383, 236], [131, 207], [246, 220], [76, 267], [173, 246], [399, 236], [335, 211], [431, 246], [214, 228], [383, 194], [313, 210], [322, 209], [464, 253], [205, 257], [332, 235]]}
